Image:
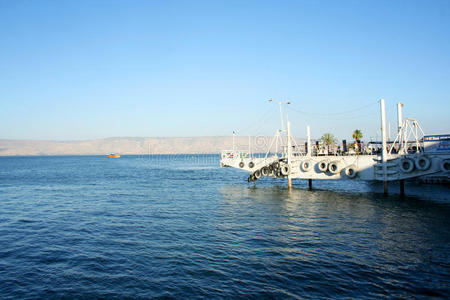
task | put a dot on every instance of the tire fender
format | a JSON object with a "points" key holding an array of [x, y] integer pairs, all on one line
{"points": [[406, 165], [351, 171], [306, 165], [285, 170]]}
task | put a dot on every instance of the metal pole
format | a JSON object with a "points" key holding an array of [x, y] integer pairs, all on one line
{"points": [[308, 134], [233, 142], [384, 150], [310, 184], [417, 137], [276, 142], [402, 187], [399, 125], [249, 147], [289, 151], [281, 116], [389, 130], [399, 116]]}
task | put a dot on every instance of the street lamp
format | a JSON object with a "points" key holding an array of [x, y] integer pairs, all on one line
{"points": [[281, 111]]}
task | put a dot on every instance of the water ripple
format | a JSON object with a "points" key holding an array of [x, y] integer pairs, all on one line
{"points": [[91, 227]]}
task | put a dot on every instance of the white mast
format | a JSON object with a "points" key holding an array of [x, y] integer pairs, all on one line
{"points": [[384, 145]]}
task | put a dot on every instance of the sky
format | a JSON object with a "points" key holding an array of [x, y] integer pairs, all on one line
{"points": [[73, 70]]}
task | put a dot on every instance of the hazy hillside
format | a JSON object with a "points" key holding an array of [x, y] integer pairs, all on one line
{"points": [[129, 146]]}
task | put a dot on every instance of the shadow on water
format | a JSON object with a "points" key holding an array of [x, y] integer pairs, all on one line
{"points": [[413, 190], [281, 195]]}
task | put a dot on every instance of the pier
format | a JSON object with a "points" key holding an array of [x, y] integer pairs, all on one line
{"points": [[411, 155]]}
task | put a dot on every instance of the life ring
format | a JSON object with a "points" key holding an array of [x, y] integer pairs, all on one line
{"points": [[241, 164], [323, 166], [251, 164], [445, 165], [257, 174], [422, 163], [306, 165], [285, 170], [333, 167], [351, 171], [276, 165], [265, 171], [406, 165]]}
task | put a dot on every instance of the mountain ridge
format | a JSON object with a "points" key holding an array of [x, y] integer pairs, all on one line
{"points": [[130, 145]]}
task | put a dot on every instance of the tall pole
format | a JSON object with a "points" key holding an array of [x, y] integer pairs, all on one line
{"points": [[399, 125], [399, 116], [403, 133], [281, 115], [384, 145], [402, 187], [308, 134], [249, 146], [389, 131], [289, 151], [234, 148], [309, 154]]}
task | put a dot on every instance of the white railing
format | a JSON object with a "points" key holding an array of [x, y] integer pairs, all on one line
{"points": [[234, 154]]}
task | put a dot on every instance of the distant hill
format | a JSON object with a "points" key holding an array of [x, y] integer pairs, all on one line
{"points": [[130, 145]]}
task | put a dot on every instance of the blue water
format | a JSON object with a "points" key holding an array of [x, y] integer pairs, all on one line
{"points": [[180, 227]]}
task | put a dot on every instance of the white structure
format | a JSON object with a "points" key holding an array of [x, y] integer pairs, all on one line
{"points": [[406, 157]]}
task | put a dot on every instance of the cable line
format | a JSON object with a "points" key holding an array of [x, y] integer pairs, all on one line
{"points": [[334, 113]]}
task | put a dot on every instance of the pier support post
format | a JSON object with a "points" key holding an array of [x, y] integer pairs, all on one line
{"points": [[310, 184], [402, 187], [289, 151], [385, 188]]}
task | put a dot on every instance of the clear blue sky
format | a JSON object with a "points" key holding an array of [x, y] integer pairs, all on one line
{"points": [[94, 69]]}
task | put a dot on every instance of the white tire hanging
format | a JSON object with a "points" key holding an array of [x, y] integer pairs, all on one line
{"points": [[351, 171], [406, 165]]}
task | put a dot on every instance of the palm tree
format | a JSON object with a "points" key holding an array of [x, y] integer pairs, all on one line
{"points": [[357, 135], [328, 139]]}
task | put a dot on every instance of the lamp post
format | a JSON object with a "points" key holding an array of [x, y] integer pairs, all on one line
{"points": [[288, 137], [234, 148], [281, 111]]}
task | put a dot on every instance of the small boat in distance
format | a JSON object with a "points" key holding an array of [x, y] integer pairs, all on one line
{"points": [[114, 155]]}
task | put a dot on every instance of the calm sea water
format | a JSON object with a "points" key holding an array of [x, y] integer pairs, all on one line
{"points": [[179, 226]]}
